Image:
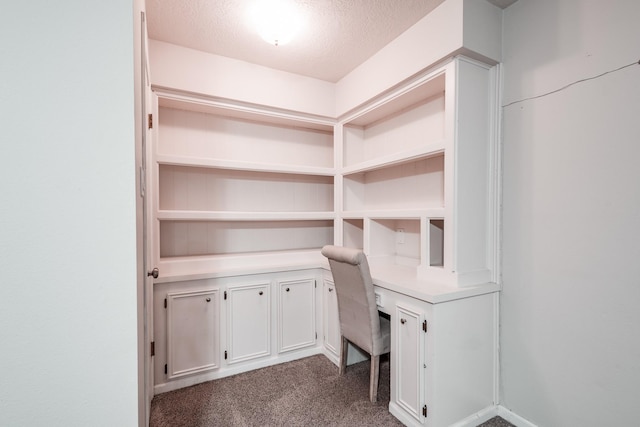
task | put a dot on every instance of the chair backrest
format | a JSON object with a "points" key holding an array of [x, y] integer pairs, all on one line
{"points": [[359, 319]]}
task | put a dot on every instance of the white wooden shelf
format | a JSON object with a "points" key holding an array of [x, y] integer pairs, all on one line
{"points": [[426, 151], [241, 110], [430, 213], [204, 162], [423, 88], [190, 215]]}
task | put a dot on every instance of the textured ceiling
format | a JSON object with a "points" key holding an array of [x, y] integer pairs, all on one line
{"points": [[339, 34]]}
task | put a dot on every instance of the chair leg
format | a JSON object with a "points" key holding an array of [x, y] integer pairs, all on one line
{"points": [[344, 347], [373, 378]]}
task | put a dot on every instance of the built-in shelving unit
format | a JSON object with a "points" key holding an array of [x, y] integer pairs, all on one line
{"points": [[239, 181], [415, 175], [245, 196], [407, 177]]}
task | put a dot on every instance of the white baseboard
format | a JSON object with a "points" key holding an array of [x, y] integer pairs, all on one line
{"points": [[233, 370], [490, 412], [478, 418], [513, 418]]}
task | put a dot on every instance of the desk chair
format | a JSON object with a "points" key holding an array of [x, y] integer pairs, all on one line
{"points": [[360, 323]]}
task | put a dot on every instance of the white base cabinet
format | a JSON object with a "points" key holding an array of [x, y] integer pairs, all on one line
{"points": [[210, 328], [442, 358]]}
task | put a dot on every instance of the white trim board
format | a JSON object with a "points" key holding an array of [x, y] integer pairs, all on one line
{"points": [[490, 412]]}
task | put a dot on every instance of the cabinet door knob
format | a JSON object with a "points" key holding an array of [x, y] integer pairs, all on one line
{"points": [[287, 289], [153, 273], [330, 289], [403, 321], [260, 293], [208, 299]]}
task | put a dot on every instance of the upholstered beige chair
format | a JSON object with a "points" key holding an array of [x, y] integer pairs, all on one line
{"points": [[360, 323]]}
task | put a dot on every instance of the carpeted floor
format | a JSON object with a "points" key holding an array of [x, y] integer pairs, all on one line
{"points": [[306, 392]]}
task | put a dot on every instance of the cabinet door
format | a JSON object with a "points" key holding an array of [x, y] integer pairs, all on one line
{"points": [[192, 332], [331, 319], [249, 322], [296, 317], [409, 360]]}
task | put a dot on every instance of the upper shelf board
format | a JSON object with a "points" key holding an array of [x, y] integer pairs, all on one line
{"points": [[236, 110], [423, 89]]}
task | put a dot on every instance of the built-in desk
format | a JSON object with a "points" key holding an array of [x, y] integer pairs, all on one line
{"points": [[443, 338]]}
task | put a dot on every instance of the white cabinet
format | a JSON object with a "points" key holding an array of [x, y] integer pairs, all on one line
{"points": [[248, 322], [192, 332], [442, 358], [296, 314], [418, 176], [409, 360], [331, 321]]}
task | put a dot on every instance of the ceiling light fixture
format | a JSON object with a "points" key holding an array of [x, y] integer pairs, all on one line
{"points": [[277, 21]]}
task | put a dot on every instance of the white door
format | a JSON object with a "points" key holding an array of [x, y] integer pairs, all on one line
{"points": [[331, 319], [296, 315], [192, 332], [409, 359], [248, 322], [144, 106]]}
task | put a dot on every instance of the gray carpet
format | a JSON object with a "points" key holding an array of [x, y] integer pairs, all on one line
{"points": [[306, 392]]}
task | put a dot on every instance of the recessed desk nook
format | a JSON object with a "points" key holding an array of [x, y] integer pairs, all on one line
{"points": [[245, 194]]}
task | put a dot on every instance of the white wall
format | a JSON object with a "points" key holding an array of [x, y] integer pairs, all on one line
{"points": [[570, 315], [177, 67], [67, 214], [468, 27]]}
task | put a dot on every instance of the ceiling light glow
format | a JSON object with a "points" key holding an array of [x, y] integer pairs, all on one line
{"points": [[277, 21]]}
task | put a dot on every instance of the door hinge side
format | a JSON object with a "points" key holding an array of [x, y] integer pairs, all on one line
{"points": [[424, 326], [150, 121], [152, 351], [424, 411], [165, 303], [225, 355], [225, 294], [165, 369]]}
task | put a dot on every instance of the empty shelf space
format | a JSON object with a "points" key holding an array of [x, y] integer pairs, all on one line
{"points": [[418, 127], [199, 135], [219, 190], [414, 185], [194, 238], [396, 240], [353, 233]]}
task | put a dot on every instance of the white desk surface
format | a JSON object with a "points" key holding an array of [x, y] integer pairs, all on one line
{"points": [[395, 278], [404, 280]]}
